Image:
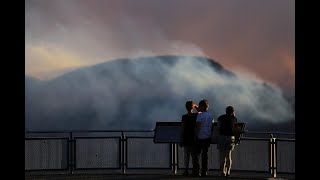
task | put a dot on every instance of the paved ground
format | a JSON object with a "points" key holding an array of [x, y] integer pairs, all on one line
{"points": [[128, 176]]}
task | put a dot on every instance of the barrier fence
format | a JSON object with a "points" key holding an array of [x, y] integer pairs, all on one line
{"points": [[132, 150]]}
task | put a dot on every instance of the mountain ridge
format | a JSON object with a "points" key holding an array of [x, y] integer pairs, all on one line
{"points": [[134, 93]]}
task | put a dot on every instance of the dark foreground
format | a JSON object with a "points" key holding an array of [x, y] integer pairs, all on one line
{"points": [[212, 175]]}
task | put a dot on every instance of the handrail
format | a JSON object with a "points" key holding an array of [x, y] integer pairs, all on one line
{"points": [[279, 133], [150, 130], [89, 131], [123, 146]]}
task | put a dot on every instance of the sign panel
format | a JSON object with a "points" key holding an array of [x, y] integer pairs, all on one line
{"points": [[167, 132]]}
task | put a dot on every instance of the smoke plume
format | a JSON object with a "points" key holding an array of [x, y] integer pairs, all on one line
{"points": [[135, 93]]}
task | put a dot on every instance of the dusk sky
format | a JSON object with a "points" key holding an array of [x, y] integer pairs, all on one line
{"points": [[255, 36]]}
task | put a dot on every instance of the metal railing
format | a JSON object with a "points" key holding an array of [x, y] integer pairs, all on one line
{"points": [[129, 150]]}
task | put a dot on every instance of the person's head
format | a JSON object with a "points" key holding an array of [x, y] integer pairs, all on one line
{"points": [[204, 105], [189, 105], [230, 110]]}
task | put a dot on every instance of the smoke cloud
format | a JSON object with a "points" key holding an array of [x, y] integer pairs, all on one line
{"points": [[135, 93], [257, 35]]}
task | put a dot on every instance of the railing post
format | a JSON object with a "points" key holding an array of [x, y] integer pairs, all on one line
{"points": [[123, 152], [71, 153], [172, 158], [175, 146], [273, 156]]}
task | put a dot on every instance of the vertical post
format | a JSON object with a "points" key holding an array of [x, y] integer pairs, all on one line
{"points": [[273, 157], [172, 157], [175, 146], [71, 153], [123, 152], [271, 154]]}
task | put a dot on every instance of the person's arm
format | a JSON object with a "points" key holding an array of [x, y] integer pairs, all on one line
{"points": [[198, 124], [219, 124], [212, 122], [235, 128], [197, 128], [182, 131], [196, 107], [235, 121]]}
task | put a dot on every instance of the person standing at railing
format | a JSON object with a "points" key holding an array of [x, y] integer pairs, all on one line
{"points": [[202, 138], [188, 122], [226, 140]]}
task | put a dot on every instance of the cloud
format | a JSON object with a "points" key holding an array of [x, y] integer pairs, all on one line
{"points": [[251, 34], [289, 63], [44, 59], [136, 93], [251, 96]]}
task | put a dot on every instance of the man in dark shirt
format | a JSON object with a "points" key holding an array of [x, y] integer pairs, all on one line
{"points": [[226, 140], [188, 123]]}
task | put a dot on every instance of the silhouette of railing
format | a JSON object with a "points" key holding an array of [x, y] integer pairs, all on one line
{"points": [[129, 150]]}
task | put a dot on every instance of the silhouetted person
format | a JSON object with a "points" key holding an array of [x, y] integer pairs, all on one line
{"points": [[226, 141], [188, 123], [202, 138]]}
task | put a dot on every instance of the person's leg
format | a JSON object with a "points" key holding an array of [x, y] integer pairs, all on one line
{"points": [[229, 158], [195, 159], [187, 153], [222, 159], [221, 148], [186, 160], [205, 146]]}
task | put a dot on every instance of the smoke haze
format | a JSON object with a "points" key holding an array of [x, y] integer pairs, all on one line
{"points": [[135, 93], [257, 35]]}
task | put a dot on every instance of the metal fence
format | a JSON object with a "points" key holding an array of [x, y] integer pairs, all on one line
{"points": [[97, 153], [125, 150], [46, 154], [285, 155]]}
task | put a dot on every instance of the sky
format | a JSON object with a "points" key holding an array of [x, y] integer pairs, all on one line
{"points": [[252, 36]]}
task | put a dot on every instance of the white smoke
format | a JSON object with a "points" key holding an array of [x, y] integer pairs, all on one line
{"points": [[131, 94], [249, 95], [134, 94]]}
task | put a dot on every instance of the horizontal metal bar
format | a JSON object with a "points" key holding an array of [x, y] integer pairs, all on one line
{"points": [[106, 168], [281, 133], [160, 168], [251, 138], [151, 130], [98, 137], [46, 138], [138, 137], [84, 131], [285, 139], [39, 170]]}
